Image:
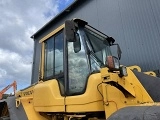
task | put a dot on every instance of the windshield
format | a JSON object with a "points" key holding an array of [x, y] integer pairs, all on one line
{"points": [[90, 58], [95, 42]]}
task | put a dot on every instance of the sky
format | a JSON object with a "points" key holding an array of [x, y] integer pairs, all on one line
{"points": [[19, 19]]}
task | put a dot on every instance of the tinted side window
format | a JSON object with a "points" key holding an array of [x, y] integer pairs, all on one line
{"points": [[53, 62], [49, 56], [59, 54]]}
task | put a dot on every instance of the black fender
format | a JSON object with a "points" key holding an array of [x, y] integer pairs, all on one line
{"points": [[137, 113], [151, 85]]}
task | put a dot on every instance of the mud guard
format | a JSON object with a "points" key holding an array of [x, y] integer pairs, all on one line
{"points": [[15, 113], [151, 85], [137, 113]]}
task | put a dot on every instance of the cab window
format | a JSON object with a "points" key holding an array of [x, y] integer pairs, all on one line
{"points": [[78, 69], [53, 63]]}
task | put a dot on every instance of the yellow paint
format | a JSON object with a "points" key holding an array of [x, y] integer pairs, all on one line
{"points": [[135, 67], [28, 92], [52, 33], [42, 61], [27, 104], [123, 82], [114, 99], [91, 100], [47, 97], [151, 73]]}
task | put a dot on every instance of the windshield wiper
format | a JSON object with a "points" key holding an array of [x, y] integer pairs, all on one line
{"points": [[97, 59], [90, 52]]}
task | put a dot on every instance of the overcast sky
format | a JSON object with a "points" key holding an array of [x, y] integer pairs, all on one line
{"points": [[19, 19]]}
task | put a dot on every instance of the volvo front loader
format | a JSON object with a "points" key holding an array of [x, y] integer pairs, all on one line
{"points": [[80, 79]]}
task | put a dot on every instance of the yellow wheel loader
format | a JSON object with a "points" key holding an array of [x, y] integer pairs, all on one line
{"points": [[81, 79]]}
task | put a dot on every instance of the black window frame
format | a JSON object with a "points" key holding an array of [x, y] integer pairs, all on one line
{"points": [[81, 32]]}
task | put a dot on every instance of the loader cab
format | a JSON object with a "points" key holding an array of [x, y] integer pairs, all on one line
{"points": [[71, 54]]}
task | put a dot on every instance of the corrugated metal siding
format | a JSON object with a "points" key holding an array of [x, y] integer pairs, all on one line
{"points": [[36, 61], [135, 24], [141, 33]]}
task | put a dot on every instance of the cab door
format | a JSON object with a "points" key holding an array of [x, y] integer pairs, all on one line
{"points": [[49, 94]]}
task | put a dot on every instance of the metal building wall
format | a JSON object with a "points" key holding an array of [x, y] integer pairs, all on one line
{"points": [[135, 25]]}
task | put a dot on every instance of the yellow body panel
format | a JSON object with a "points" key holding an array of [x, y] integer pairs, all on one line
{"points": [[28, 92], [151, 73], [47, 97], [91, 100], [114, 99], [135, 67], [29, 109]]}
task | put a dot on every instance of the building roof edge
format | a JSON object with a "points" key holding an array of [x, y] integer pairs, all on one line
{"points": [[65, 11]]}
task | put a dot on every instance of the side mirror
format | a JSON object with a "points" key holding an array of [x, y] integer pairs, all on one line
{"points": [[70, 30], [117, 49], [77, 43], [72, 35]]}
